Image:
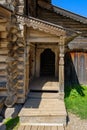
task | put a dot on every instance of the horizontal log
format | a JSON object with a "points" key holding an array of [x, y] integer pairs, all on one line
{"points": [[2, 27], [3, 73], [20, 95], [21, 59], [3, 21], [44, 39], [19, 86], [3, 66], [20, 67], [21, 82], [3, 79], [3, 51], [4, 45], [3, 58], [3, 34]]}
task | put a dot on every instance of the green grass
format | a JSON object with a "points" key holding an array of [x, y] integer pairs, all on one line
{"points": [[12, 124], [76, 100]]}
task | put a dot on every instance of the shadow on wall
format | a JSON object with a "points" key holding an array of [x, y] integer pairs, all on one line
{"points": [[71, 78]]}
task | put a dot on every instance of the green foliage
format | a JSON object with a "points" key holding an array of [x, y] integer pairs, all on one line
{"points": [[12, 124], [76, 100]]}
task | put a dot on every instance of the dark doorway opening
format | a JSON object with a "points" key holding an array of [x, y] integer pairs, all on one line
{"points": [[47, 66]]}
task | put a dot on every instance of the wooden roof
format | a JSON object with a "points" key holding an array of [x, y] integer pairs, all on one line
{"points": [[63, 12], [62, 17]]}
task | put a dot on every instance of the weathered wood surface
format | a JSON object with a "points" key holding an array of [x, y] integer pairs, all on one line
{"points": [[38, 36], [76, 68], [37, 110], [3, 56], [43, 95], [29, 127], [46, 84], [47, 13]]}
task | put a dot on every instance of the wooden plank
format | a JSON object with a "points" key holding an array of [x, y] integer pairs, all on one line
{"points": [[21, 127], [54, 127], [34, 127], [45, 39], [60, 127], [43, 113], [35, 33], [28, 127], [40, 127], [47, 128]]}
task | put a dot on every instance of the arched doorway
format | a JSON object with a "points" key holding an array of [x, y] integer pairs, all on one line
{"points": [[47, 63]]}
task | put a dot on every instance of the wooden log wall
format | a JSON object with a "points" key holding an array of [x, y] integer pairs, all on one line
{"points": [[21, 52], [12, 71], [3, 56], [16, 64], [76, 68]]}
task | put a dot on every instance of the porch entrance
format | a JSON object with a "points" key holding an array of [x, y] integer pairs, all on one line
{"points": [[47, 65]]}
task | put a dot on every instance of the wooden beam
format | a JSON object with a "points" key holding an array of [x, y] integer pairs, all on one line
{"points": [[45, 39]]}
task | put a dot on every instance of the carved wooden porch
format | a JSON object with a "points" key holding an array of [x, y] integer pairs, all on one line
{"points": [[38, 109], [31, 40]]}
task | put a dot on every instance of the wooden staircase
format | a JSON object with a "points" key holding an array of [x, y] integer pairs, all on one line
{"points": [[42, 107]]}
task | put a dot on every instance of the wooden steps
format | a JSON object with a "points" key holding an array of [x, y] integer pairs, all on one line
{"points": [[44, 95], [44, 84], [43, 106], [46, 109], [30, 127]]}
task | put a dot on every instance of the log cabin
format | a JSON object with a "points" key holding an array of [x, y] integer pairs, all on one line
{"points": [[40, 42]]}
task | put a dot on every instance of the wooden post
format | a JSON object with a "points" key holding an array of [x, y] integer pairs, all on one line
{"points": [[61, 68]]}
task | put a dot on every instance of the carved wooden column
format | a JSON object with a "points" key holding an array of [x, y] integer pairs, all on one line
{"points": [[61, 67]]}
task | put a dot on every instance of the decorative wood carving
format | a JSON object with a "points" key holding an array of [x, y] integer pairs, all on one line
{"points": [[42, 25], [61, 67]]}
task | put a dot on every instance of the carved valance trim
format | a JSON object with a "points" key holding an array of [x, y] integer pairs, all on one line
{"points": [[42, 25]]}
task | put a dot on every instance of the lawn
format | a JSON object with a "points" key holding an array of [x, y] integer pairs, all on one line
{"points": [[76, 100]]}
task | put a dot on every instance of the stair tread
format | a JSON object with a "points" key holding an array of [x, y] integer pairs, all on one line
{"points": [[43, 107], [43, 95]]}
